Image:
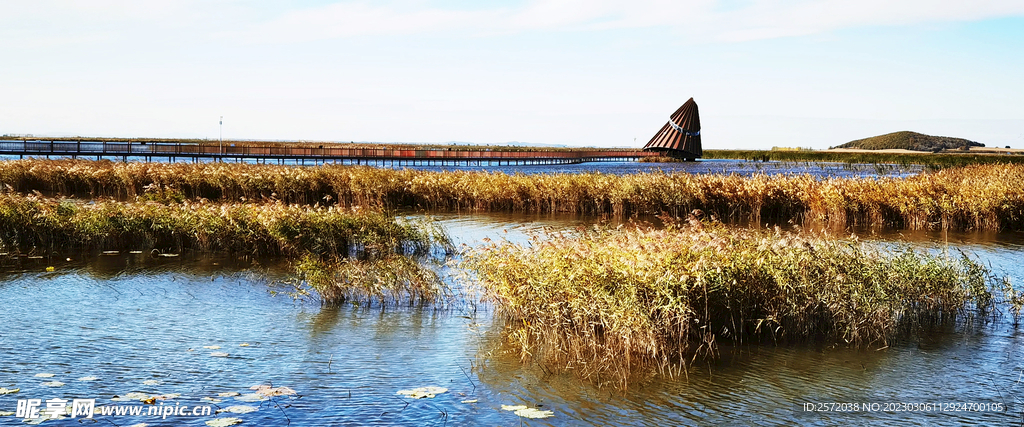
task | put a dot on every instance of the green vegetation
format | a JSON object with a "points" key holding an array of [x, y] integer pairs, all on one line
{"points": [[612, 304], [907, 140], [973, 197]]}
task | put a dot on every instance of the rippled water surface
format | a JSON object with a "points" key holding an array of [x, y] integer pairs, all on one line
{"points": [[127, 319]]}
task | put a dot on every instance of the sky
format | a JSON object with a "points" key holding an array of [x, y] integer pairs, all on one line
{"points": [[565, 72]]}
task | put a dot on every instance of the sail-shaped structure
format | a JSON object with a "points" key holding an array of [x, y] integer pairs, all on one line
{"points": [[680, 137]]}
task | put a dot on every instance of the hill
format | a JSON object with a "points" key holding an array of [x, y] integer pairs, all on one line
{"points": [[907, 140]]}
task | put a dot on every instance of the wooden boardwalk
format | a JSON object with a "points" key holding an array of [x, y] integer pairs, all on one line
{"points": [[179, 151]]}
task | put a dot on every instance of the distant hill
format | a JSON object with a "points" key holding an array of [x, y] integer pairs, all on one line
{"points": [[910, 141]]}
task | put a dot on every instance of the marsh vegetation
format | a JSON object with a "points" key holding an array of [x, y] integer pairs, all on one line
{"points": [[610, 304], [973, 197]]}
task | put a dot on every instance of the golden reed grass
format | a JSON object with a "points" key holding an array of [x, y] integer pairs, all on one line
{"points": [[972, 197], [342, 254], [44, 224], [612, 304]]}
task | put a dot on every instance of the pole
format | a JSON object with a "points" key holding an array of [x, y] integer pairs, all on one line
{"points": [[222, 135]]}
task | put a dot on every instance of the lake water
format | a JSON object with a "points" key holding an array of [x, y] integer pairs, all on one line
{"points": [[140, 324]]}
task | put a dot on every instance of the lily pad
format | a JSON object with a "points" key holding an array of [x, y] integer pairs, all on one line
{"points": [[267, 390], [151, 382], [53, 384], [211, 400], [152, 399], [245, 344], [470, 401], [6, 413], [219, 354], [534, 413], [212, 347], [9, 390], [527, 412], [90, 378], [223, 422], [44, 375], [228, 394], [421, 392], [239, 409]]}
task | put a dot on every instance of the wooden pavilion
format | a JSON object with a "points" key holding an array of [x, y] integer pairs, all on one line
{"points": [[680, 137]]}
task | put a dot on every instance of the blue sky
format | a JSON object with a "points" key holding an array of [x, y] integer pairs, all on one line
{"points": [[572, 72]]}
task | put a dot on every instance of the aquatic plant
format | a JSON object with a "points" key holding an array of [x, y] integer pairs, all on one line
{"points": [[387, 280], [40, 224], [611, 304], [971, 197]]}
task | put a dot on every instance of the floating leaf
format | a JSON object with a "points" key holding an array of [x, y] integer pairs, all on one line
{"points": [[44, 375], [211, 400], [172, 256], [254, 397], [419, 393], [470, 401], [6, 413], [135, 252], [212, 347], [89, 378], [534, 413], [267, 390], [139, 425], [53, 384], [9, 390], [219, 354], [245, 344], [49, 268], [111, 252], [223, 422], [228, 394], [239, 409], [151, 382], [527, 412]]}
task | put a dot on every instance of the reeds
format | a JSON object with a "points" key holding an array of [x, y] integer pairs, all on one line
{"points": [[609, 304], [972, 197], [387, 280], [41, 224]]}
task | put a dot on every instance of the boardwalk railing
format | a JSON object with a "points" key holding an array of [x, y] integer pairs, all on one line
{"points": [[121, 149]]}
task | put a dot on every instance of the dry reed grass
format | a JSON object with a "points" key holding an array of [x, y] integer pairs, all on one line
{"points": [[972, 197], [612, 304], [42, 224]]}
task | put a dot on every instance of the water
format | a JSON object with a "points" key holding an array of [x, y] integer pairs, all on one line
{"points": [[709, 166], [127, 319]]}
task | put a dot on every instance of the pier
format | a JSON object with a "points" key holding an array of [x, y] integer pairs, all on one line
{"points": [[329, 153]]}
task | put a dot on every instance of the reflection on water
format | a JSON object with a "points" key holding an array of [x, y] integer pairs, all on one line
{"points": [[712, 166], [127, 319]]}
